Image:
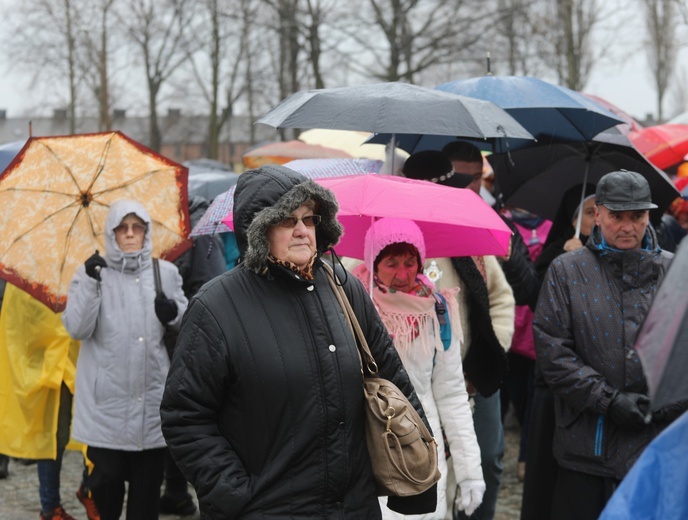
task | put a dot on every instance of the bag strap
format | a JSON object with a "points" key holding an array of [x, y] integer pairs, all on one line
{"points": [[362, 343], [156, 277], [445, 326]]}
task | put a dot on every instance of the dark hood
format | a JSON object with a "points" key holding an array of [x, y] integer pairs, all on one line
{"points": [[269, 194]]}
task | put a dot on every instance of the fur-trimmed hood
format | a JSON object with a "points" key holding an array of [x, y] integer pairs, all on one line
{"points": [[269, 194]]}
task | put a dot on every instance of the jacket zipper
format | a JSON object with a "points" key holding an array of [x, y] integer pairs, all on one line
{"points": [[599, 436]]}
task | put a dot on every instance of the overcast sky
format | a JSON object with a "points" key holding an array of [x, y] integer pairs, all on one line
{"points": [[622, 78]]}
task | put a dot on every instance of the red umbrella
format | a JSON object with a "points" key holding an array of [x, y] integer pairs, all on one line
{"points": [[663, 145]]}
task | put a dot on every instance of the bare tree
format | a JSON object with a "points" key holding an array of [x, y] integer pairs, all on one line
{"points": [[679, 93], [284, 19], [571, 24], [220, 65], [158, 30], [661, 23], [97, 58], [42, 38], [519, 35], [316, 14], [403, 38], [682, 7]]}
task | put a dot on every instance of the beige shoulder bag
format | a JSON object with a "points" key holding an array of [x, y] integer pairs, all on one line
{"points": [[402, 450]]}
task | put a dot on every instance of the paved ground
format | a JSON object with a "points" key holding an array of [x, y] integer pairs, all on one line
{"points": [[19, 492]]}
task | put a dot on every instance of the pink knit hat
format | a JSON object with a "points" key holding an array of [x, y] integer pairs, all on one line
{"points": [[388, 231]]}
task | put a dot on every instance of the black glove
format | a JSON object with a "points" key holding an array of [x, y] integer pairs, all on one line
{"points": [[165, 309], [94, 264], [629, 410]]}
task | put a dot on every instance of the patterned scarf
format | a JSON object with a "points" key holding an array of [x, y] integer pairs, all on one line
{"points": [[411, 318], [306, 274]]}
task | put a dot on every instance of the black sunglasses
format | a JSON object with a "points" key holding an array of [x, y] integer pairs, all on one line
{"points": [[291, 222]]}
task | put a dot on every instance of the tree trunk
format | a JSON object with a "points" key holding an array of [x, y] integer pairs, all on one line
{"points": [[213, 126], [72, 67], [104, 100]]}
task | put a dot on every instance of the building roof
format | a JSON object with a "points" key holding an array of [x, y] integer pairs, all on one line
{"points": [[174, 127]]}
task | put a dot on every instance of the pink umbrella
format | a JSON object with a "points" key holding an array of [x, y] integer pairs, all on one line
{"points": [[454, 222]]}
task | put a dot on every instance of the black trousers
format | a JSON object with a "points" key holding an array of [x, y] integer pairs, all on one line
{"points": [[143, 470], [580, 496], [518, 389], [175, 481], [541, 466]]}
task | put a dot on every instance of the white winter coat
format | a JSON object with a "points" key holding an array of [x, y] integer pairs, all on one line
{"points": [[437, 376], [123, 363]]}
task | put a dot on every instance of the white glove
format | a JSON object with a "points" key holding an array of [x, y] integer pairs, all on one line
{"points": [[469, 496]]}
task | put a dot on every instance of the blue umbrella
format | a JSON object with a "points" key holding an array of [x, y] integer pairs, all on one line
{"points": [[8, 151], [549, 112]]}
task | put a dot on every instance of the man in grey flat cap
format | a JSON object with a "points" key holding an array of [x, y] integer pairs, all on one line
{"points": [[591, 306]]}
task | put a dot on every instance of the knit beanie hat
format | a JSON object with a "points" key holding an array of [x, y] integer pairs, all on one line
{"points": [[387, 231]]}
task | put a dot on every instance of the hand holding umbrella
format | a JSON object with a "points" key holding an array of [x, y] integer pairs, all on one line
{"points": [[94, 264], [55, 197]]}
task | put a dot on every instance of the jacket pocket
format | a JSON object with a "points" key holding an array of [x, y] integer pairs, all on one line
{"points": [[580, 435]]}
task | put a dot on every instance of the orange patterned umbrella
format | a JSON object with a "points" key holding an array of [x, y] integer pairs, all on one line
{"points": [[283, 152], [55, 196]]}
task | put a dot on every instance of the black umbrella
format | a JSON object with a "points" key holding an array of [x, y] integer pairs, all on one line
{"points": [[536, 178], [662, 342]]}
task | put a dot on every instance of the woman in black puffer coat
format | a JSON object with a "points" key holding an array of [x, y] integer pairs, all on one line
{"points": [[263, 408]]}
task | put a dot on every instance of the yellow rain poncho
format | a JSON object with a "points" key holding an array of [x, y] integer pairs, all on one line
{"points": [[36, 356]]}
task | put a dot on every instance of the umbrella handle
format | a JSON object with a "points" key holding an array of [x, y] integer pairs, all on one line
{"points": [[97, 268], [582, 199]]}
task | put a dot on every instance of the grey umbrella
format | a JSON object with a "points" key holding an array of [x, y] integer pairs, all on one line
{"points": [[209, 178], [662, 342], [396, 108]]}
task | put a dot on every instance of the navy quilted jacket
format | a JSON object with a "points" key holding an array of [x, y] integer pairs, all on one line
{"points": [[591, 306]]}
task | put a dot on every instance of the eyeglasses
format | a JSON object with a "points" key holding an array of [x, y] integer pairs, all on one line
{"points": [[308, 221], [137, 229]]}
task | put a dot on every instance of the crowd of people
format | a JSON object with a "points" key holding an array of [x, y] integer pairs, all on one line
{"points": [[246, 382]]}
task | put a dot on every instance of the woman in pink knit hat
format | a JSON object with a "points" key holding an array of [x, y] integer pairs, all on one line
{"points": [[426, 330]]}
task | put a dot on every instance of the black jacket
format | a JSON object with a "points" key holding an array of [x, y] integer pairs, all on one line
{"points": [[263, 408], [519, 269], [591, 305]]}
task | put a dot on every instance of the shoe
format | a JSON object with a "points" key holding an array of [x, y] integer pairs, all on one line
{"points": [[57, 514], [84, 496], [521, 471], [183, 507]]}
